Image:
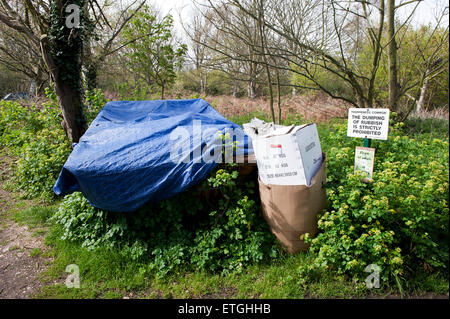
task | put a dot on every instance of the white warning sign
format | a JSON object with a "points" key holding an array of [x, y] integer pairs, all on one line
{"points": [[368, 123]]}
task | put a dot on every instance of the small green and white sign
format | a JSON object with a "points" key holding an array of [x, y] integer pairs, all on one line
{"points": [[364, 160]]}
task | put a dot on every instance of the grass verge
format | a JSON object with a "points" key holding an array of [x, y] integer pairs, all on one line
{"points": [[106, 273]]}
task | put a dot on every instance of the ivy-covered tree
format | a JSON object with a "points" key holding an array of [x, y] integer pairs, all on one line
{"points": [[62, 49], [44, 24], [152, 56], [61, 33]]}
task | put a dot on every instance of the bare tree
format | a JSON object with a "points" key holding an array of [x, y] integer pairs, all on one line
{"points": [[234, 39], [321, 40], [32, 20], [35, 20], [431, 54], [19, 54], [109, 18]]}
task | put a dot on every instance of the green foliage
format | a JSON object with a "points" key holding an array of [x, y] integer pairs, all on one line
{"points": [[35, 216], [418, 127], [35, 136], [223, 234], [399, 221], [416, 47], [151, 54], [95, 101], [324, 80], [140, 91], [67, 43], [37, 139]]}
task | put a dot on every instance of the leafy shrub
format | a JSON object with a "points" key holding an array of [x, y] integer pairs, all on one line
{"points": [[399, 221], [432, 127], [95, 101], [12, 117], [35, 136], [40, 162], [235, 234], [222, 234]]}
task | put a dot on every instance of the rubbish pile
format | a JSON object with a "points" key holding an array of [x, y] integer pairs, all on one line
{"points": [[139, 151], [292, 171]]}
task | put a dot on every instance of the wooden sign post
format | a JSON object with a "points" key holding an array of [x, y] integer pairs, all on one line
{"points": [[367, 124]]}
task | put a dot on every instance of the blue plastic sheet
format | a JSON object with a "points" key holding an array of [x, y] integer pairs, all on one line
{"points": [[140, 151]]}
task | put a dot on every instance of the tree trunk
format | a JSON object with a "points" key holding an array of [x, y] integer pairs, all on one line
{"points": [[69, 98], [202, 91], [71, 108], [392, 54], [423, 91], [91, 76], [38, 81], [277, 72], [251, 89], [202, 76], [266, 64], [162, 91], [235, 88]]}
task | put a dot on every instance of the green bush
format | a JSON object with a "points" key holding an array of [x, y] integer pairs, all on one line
{"points": [[36, 138], [223, 234], [95, 101], [40, 162], [432, 127], [399, 221]]}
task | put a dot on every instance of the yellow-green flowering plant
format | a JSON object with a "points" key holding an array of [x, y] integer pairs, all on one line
{"points": [[398, 221]]}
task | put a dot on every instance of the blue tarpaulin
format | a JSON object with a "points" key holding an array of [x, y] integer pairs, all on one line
{"points": [[139, 151]]}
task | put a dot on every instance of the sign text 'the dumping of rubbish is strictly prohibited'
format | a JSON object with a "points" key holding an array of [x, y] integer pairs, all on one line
{"points": [[368, 123]]}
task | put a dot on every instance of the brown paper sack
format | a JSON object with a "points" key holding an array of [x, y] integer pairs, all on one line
{"points": [[291, 210]]}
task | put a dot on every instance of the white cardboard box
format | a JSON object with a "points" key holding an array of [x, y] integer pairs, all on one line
{"points": [[288, 155]]}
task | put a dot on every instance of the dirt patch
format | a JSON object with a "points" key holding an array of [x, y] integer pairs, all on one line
{"points": [[5, 173], [428, 295], [224, 293], [21, 261]]}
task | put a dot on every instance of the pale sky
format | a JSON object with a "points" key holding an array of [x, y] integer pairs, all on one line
{"points": [[184, 7], [425, 12]]}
